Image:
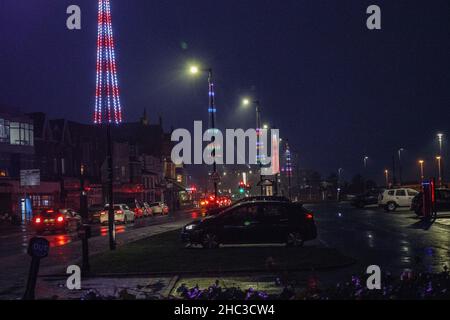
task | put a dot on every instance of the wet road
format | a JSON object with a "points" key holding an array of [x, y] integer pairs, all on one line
{"points": [[394, 241], [14, 240]]}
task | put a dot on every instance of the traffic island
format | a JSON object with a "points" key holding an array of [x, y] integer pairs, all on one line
{"points": [[164, 254]]}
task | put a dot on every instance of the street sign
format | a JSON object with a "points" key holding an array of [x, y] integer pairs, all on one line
{"points": [[30, 178], [38, 247]]}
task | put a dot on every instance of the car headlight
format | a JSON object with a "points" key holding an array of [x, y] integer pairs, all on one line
{"points": [[190, 227]]}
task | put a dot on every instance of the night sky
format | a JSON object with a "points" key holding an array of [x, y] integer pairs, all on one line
{"points": [[335, 89]]}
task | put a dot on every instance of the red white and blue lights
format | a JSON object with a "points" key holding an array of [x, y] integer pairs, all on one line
{"points": [[107, 97]]}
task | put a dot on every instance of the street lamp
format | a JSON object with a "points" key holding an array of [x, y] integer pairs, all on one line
{"points": [[386, 173], [438, 158], [194, 70], [422, 175], [440, 137], [247, 102], [366, 158]]}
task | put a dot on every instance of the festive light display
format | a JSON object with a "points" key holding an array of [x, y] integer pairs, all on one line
{"points": [[288, 162], [107, 98]]}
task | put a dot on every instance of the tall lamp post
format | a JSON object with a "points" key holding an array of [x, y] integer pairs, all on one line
{"points": [[422, 175], [386, 175], [440, 137], [439, 158], [365, 159], [212, 113], [257, 105]]}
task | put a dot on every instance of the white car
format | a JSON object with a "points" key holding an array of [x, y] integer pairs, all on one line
{"points": [[122, 214], [159, 208], [392, 199]]}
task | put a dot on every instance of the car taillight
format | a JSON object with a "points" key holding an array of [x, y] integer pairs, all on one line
{"points": [[119, 211], [309, 216], [60, 219], [38, 220]]}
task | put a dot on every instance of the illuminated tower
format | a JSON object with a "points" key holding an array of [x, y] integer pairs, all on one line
{"points": [[107, 97]]}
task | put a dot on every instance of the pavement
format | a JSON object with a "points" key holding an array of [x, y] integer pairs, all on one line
{"points": [[396, 242]]}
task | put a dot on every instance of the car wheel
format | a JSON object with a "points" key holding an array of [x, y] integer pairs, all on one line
{"points": [[294, 239], [391, 207], [210, 241]]}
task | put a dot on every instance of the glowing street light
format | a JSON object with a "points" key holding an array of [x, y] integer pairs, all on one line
{"points": [[365, 159], [440, 137], [266, 126], [439, 158], [422, 175], [386, 174], [194, 69], [247, 102]]}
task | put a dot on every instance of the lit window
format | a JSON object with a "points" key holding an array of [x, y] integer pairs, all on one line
{"points": [[21, 134]]}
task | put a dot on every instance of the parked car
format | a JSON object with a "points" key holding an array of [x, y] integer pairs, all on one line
{"points": [[147, 209], [159, 208], [392, 199], [442, 201], [137, 208], [365, 199], [56, 220], [254, 222], [94, 212], [122, 214]]}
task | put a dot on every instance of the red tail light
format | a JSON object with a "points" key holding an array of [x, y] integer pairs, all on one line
{"points": [[309, 216], [119, 211], [60, 219], [38, 220]]}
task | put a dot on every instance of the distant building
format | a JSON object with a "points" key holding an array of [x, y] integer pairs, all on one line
{"points": [[67, 153], [16, 144]]}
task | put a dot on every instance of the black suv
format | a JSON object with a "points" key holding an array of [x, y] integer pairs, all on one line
{"points": [[254, 222]]}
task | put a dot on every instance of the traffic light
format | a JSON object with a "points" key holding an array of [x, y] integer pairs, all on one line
{"points": [[242, 187]]}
